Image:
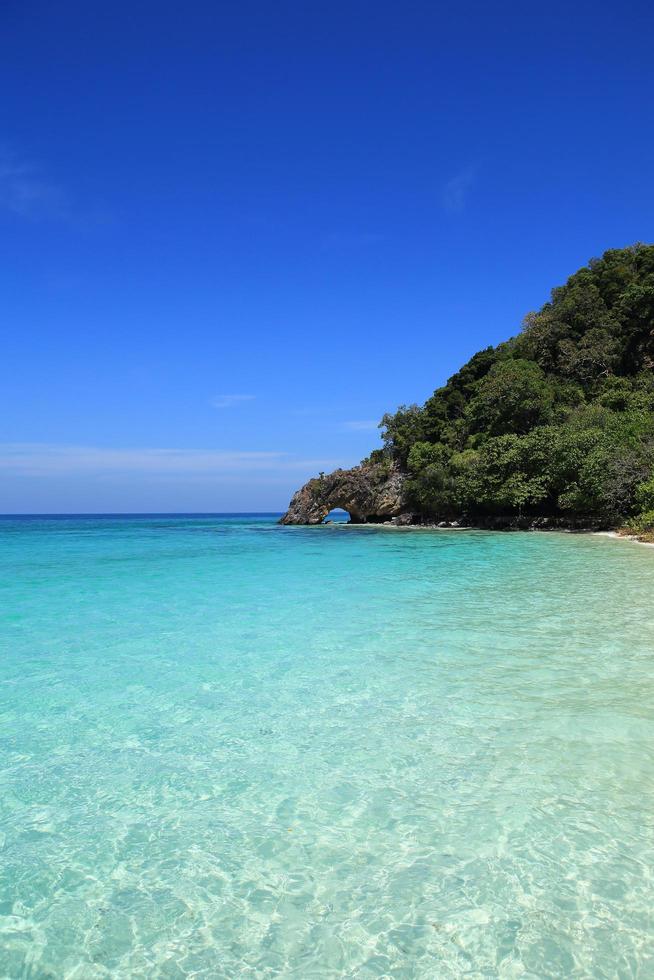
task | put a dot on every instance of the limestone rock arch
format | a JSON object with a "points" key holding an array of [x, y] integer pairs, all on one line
{"points": [[369, 492]]}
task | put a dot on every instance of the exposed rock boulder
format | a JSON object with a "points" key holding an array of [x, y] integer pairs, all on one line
{"points": [[370, 492]]}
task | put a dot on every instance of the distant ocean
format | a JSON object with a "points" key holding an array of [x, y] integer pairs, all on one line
{"points": [[233, 749]]}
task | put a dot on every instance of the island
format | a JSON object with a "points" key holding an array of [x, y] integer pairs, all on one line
{"points": [[553, 428]]}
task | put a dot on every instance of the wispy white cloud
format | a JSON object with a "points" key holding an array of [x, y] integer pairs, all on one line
{"points": [[44, 459], [454, 193], [361, 425], [229, 401], [25, 192]]}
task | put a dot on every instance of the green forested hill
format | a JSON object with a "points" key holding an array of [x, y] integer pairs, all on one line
{"points": [[556, 421]]}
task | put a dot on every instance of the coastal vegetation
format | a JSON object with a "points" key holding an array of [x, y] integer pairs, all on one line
{"points": [[557, 421]]}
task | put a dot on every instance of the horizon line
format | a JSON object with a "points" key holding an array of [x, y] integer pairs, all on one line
{"points": [[144, 513]]}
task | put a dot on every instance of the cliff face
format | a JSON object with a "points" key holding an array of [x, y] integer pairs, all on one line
{"points": [[369, 492]]}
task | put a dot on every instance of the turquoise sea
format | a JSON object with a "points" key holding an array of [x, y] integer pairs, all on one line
{"points": [[235, 750]]}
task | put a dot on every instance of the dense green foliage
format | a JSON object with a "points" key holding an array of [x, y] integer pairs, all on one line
{"points": [[558, 420]]}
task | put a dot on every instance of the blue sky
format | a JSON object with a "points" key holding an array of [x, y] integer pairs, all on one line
{"points": [[233, 235]]}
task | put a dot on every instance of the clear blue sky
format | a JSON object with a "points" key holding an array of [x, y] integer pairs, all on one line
{"points": [[235, 234]]}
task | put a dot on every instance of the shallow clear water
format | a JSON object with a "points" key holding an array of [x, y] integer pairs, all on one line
{"points": [[232, 749]]}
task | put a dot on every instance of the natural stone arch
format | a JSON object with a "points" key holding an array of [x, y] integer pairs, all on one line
{"points": [[354, 511], [370, 492]]}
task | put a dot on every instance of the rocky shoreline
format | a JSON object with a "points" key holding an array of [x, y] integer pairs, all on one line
{"points": [[509, 523], [536, 524], [375, 493]]}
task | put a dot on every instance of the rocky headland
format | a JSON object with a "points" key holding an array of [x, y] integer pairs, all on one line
{"points": [[376, 494], [552, 429]]}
